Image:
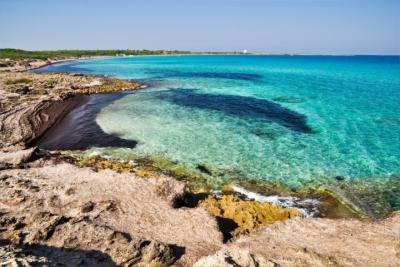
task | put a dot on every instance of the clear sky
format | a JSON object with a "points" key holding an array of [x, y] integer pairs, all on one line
{"points": [[277, 26]]}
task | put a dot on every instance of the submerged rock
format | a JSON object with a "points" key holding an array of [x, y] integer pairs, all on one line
{"points": [[204, 169], [288, 99]]}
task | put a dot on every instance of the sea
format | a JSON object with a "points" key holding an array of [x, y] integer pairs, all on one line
{"points": [[300, 121]]}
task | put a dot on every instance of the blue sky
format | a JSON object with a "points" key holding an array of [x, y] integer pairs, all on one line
{"points": [[277, 26]]}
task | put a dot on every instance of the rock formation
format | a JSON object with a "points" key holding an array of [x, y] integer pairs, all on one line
{"points": [[30, 103]]}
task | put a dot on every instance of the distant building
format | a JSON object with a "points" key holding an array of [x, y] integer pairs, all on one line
{"points": [[245, 51]]}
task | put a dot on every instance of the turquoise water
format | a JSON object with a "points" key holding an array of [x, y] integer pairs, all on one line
{"points": [[293, 119]]}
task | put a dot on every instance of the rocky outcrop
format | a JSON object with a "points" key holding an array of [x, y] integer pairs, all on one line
{"points": [[129, 218], [60, 209], [248, 215], [30, 103], [22, 125], [316, 242], [81, 232], [13, 159]]}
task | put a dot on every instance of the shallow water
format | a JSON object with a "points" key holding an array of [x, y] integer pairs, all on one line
{"points": [[292, 119]]}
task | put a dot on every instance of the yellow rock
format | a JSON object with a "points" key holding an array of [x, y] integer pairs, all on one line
{"points": [[247, 214], [98, 163]]}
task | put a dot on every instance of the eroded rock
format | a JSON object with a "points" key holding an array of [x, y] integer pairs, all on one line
{"points": [[27, 112], [17, 157], [247, 214], [234, 258]]}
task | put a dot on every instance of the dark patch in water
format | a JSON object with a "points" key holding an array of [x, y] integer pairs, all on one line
{"points": [[241, 106], [210, 75], [288, 99], [387, 120], [340, 178], [265, 133], [78, 130], [203, 168]]}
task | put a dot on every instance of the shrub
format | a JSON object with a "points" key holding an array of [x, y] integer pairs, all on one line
{"points": [[17, 81]]}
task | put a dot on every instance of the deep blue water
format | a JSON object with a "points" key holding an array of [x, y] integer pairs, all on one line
{"points": [[293, 119]]}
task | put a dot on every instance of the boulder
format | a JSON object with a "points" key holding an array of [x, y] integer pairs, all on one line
{"points": [[17, 157]]}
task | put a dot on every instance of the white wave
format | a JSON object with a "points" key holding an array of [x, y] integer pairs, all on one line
{"points": [[308, 207]]}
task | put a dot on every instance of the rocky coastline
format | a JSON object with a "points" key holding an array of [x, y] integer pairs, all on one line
{"points": [[59, 210]]}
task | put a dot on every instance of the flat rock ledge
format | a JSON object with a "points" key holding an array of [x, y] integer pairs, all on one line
{"points": [[314, 242], [51, 208], [111, 247]]}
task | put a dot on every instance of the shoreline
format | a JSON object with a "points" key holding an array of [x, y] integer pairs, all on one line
{"points": [[331, 203], [147, 205], [196, 54]]}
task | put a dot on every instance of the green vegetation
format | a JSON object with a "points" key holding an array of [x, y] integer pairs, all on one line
{"points": [[51, 82], [45, 54], [16, 81], [18, 54]]}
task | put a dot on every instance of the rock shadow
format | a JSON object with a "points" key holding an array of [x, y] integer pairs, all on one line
{"points": [[178, 251], [226, 226], [42, 255], [189, 200], [78, 130], [235, 105]]}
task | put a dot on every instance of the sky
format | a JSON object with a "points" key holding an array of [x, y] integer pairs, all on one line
{"points": [[272, 26]]}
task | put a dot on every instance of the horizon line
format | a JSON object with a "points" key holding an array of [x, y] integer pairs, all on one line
{"points": [[210, 52]]}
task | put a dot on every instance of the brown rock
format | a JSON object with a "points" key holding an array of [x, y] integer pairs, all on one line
{"points": [[234, 258], [17, 157], [87, 207], [44, 224]]}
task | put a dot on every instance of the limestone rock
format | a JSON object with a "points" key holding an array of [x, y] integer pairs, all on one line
{"points": [[11, 255], [234, 258], [247, 214], [27, 112], [17, 157], [87, 207]]}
